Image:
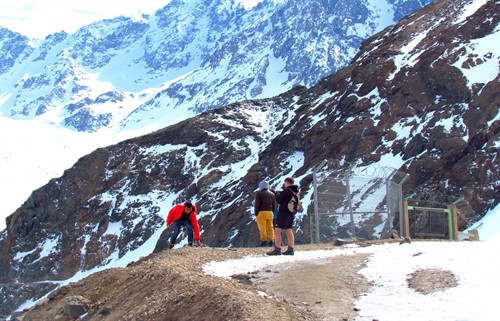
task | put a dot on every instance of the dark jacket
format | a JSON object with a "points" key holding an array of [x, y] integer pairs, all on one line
{"points": [[284, 197], [265, 200]]}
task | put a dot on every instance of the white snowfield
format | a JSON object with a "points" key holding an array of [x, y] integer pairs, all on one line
{"points": [[476, 265]]}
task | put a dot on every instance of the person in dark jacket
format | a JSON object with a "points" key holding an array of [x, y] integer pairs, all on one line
{"points": [[265, 202], [184, 215], [285, 218]]}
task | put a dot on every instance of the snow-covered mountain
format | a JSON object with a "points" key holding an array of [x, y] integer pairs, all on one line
{"points": [[188, 57], [421, 96], [128, 76]]}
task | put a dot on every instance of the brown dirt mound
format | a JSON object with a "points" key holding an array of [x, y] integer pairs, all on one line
{"points": [[428, 281], [172, 286]]}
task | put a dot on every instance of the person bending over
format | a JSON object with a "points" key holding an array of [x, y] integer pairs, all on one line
{"points": [[184, 215]]}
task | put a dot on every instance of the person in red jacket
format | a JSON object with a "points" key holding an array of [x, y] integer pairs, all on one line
{"points": [[184, 215]]}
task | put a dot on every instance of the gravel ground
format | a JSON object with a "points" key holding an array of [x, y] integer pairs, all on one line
{"points": [[172, 286]]}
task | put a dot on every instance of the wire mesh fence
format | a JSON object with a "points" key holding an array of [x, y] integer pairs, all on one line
{"points": [[429, 224], [355, 201]]}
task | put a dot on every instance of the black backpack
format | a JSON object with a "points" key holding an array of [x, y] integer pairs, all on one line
{"points": [[294, 203]]}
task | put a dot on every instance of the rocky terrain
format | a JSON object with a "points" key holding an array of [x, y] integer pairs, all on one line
{"points": [[172, 286]]}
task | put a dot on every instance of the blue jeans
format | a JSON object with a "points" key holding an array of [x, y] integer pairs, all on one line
{"points": [[176, 229]]}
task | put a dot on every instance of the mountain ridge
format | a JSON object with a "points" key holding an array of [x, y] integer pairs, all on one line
{"points": [[58, 82], [133, 55]]}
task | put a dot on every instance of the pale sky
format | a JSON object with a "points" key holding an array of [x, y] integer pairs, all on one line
{"points": [[39, 18]]}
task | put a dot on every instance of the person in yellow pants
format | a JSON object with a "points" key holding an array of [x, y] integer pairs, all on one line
{"points": [[265, 202]]}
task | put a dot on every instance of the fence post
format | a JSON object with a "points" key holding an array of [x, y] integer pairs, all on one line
{"points": [[401, 205], [316, 217], [454, 222], [315, 192], [388, 223], [405, 220], [349, 200]]}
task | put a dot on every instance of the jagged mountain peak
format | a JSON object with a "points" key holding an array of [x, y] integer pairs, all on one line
{"points": [[13, 46], [199, 55], [326, 35]]}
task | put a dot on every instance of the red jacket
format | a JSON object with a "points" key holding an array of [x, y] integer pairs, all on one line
{"points": [[176, 212]]}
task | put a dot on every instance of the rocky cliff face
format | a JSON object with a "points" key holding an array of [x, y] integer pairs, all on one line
{"points": [[409, 95], [190, 56], [13, 47]]}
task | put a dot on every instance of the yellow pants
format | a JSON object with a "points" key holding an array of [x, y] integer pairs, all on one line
{"points": [[265, 225]]}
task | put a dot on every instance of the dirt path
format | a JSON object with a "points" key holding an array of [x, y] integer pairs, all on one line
{"points": [[171, 285], [328, 287]]}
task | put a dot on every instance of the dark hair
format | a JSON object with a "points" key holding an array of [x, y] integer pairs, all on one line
{"points": [[188, 205], [289, 180]]}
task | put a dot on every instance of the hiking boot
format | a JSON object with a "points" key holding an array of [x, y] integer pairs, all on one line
{"points": [[270, 243], [289, 251], [262, 243], [276, 251], [170, 246]]}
